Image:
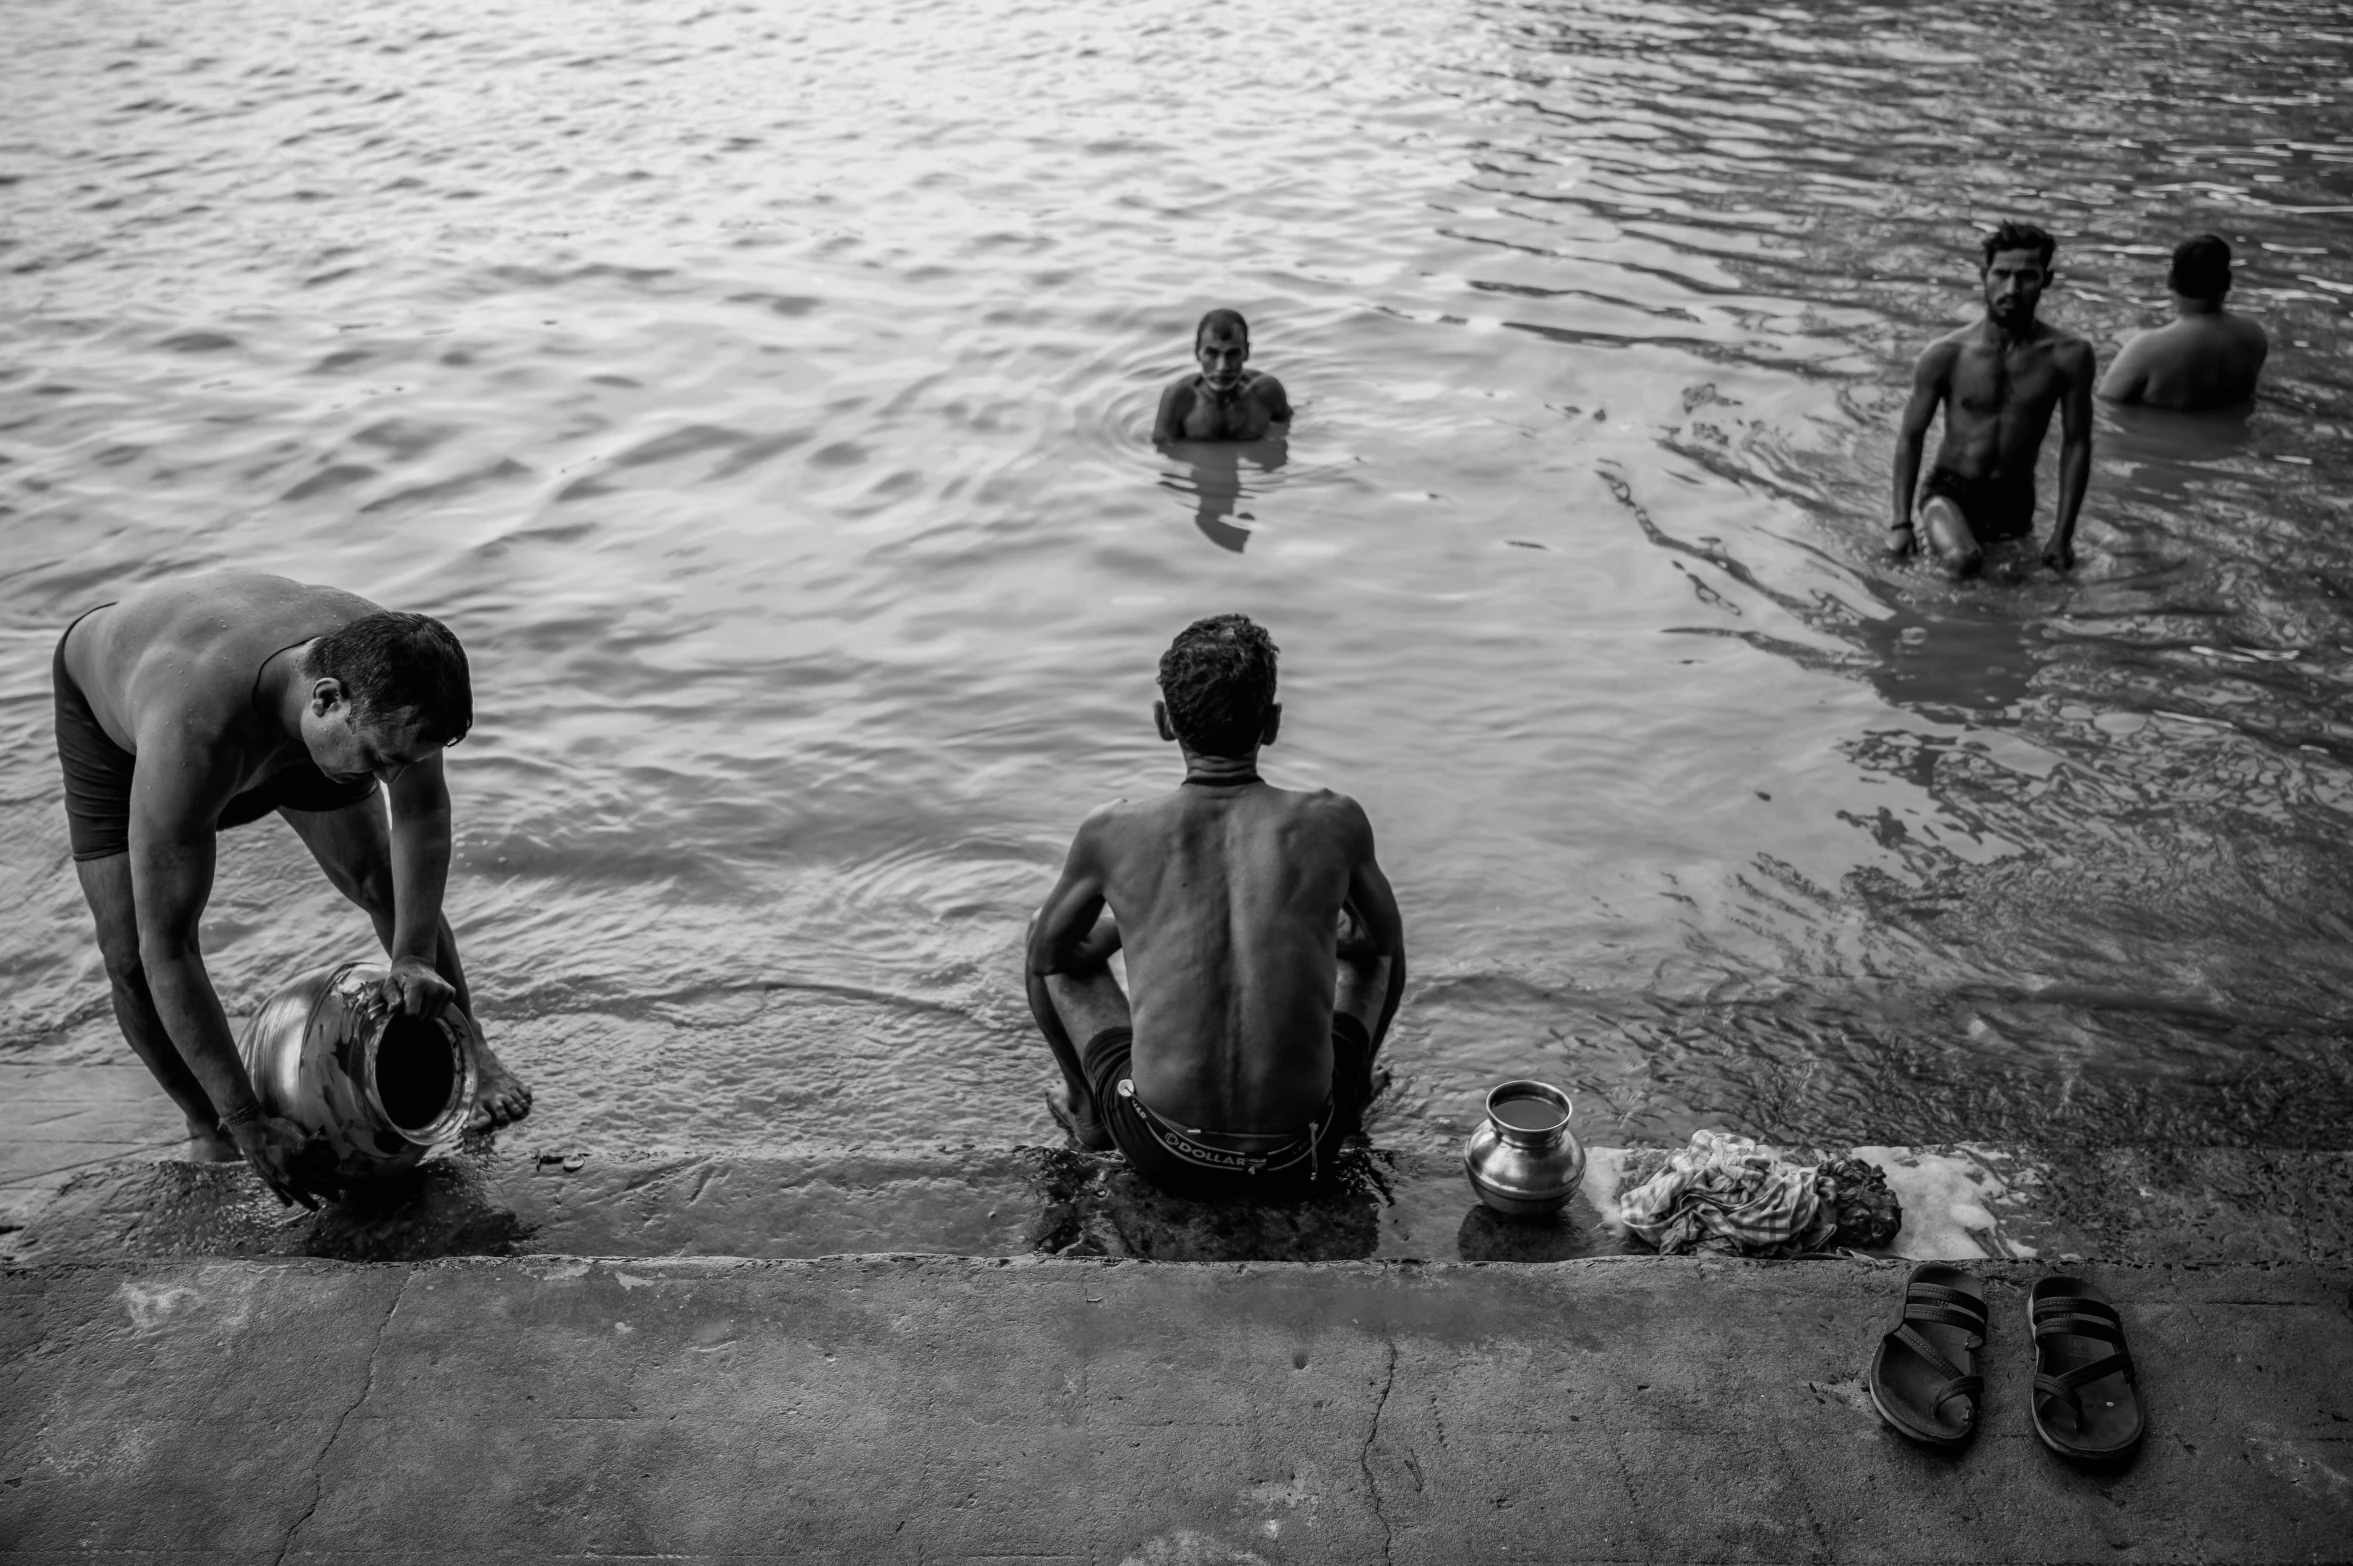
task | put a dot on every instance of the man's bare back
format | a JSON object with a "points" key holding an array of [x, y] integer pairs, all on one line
{"points": [[1998, 382], [1228, 901], [2208, 358], [1263, 946], [169, 672]]}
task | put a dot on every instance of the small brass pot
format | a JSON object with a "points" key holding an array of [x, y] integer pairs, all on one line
{"points": [[375, 1089], [1525, 1163]]}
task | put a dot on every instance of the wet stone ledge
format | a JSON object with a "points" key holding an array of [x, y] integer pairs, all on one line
{"points": [[2128, 1204]]}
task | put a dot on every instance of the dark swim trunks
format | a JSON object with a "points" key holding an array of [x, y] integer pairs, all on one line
{"points": [[1219, 1166], [98, 777], [1995, 508]]}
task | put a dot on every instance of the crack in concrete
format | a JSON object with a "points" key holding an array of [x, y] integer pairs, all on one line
{"points": [[1364, 1458], [318, 1477]]}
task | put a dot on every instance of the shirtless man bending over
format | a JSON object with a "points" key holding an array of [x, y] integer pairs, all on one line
{"points": [[1247, 1053], [1224, 401], [208, 703], [2208, 358], [1997, 382]]}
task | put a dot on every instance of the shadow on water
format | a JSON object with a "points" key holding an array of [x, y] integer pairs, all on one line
{"points": [[1214, 476]]}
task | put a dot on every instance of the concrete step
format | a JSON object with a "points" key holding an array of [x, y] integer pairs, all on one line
{"points": [[1118, 1414]]}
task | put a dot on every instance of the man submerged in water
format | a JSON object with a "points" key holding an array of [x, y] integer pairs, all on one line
{"points": [[2208, 358], [1247, 1052], [207, 703], [1998, 382], [1224, 401]]}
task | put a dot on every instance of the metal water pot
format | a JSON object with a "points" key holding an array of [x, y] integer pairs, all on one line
{"points": [[1523, 1160], [375, 1089]]}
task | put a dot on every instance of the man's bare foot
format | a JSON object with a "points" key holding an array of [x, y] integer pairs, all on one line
{"points": [[1079, 1123], [209, 1144], [500, 1097]]}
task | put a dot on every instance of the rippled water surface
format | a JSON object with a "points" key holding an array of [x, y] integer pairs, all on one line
{"points": [[762, 390]]}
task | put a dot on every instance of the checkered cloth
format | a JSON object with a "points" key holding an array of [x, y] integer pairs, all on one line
{"points": [[1726, 1193]]}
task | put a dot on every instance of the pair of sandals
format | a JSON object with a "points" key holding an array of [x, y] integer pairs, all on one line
{"points": [[2086, 1402]]}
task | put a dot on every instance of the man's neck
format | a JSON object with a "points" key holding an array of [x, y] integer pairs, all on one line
{"points": [[1212, 771], [2009, 336], [2187, 307], [1217, 396]]}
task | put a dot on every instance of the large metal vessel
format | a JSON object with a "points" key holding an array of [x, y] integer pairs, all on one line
{"points": [[375, 1089], [1523, 1160]]}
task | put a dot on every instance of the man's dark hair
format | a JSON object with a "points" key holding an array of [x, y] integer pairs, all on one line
{"points": [[390, 662], [1218, 678], [2018, 236], [2201, 267], [1221, 321]]}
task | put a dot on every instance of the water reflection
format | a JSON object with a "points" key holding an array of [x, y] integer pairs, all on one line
{"points": [[1218, 477]]}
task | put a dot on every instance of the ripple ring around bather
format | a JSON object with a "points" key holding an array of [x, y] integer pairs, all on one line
{"points": [[376, 1090]]}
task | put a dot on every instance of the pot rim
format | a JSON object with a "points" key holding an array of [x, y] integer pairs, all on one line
{"points": [[452, 1120], [1526, 1087]]}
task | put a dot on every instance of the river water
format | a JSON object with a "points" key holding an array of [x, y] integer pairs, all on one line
{"points": [[762, 391]]}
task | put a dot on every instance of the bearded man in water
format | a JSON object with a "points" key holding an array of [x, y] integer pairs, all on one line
{"points": [[1224, 401], [1998, 382], [1247, 1052], [207, 703]]}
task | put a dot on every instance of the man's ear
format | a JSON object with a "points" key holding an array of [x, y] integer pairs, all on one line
{"points": [[325, 692], [1274, 721], [1160, 721]]}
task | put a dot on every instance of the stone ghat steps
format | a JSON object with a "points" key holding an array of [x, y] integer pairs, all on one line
{"points": [[2126, 1204], [1113, 1414]]}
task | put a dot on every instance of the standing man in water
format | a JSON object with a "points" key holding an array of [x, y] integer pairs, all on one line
{"points": [[1998, 382], [207, 703], [1224, 401], [1263, 945], [2208, 358]]}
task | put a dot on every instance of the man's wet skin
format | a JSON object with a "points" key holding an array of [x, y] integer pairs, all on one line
{"points": [[202, 685], [2209, 358], [1224, 399], [1998, 382], [1249, 915]]}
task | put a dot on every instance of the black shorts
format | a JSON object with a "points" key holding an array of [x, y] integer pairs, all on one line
{"points": [[98, 778], [1209, 1167], [1995, 508]]}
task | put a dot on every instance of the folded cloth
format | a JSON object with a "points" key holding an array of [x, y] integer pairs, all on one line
{"points": [[1726, 1193]]}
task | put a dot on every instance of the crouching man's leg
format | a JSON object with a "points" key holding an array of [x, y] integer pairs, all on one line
{"points": [[353, 846], [1072, 1007], [1950, 538]]}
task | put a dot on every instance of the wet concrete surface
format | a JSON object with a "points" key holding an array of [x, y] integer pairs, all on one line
{"points": [[2137, 1205], [940, 1409]]}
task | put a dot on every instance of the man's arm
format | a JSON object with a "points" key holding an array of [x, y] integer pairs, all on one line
{"points": [[1380, 926], [1175, 402], [1065, 938], [2127, 379], [171, 876], [1929, 376], [2075, 451], [420, 875], [1278, 402]]}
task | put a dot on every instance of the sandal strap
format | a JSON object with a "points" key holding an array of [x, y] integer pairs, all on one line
{"points": [[1970, 1387], [2075, 1324], [2064, 1385], [1910, 1338], [1946, 1316], [1940, 1296], [2055, 1305]]}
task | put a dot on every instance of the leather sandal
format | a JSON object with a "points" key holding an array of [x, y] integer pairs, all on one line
{"points": [[2087, 1401], [1928, 1386]]}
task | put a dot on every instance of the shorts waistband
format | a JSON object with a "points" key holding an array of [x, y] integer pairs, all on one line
{"points": [[1187, 1145]]}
